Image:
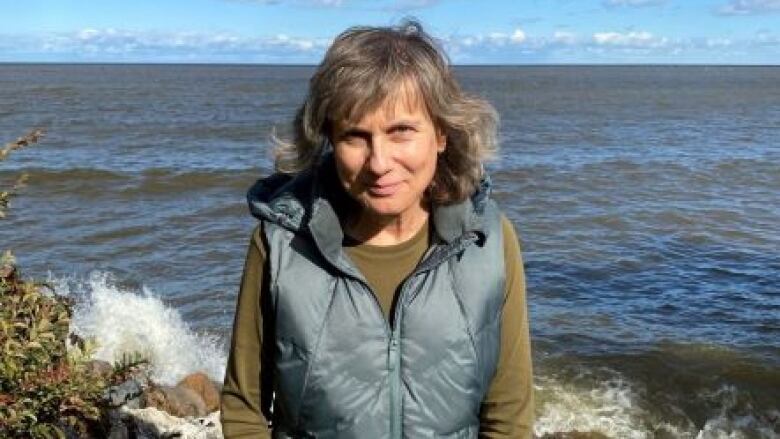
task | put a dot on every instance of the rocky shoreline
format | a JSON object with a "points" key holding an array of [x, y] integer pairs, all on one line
{"points": [[139, 408], [190, 409]]}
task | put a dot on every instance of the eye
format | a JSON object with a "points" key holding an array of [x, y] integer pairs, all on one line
{"points": [[403, 129], [352, 139], [402, 134]]}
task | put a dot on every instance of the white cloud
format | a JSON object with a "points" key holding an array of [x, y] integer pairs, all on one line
{"points": [[564, 37], [634, 3], [109, 44], [633, 39], [749, 7], [764, 38], [628, 46], [718, 42], [128, 45], [491, 40], [87, 34], [518, 36]]}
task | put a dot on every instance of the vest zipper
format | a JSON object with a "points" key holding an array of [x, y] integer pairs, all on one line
{"points": [[394, 353], [394, 368], [394, 332], [393, 359]]}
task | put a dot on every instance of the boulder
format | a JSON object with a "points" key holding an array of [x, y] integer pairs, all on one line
{"points": [[204, 387], [151, 423], [127, 393], [177, 401], [100, 368]]}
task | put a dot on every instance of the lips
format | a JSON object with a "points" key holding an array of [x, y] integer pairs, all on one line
{"points": [[384, 190]]}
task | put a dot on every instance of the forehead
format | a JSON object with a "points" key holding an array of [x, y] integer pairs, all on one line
{"points": [[402, 100]]}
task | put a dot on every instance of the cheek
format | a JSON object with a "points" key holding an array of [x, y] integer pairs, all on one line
{"points": [[347, 166], [426, 162]]}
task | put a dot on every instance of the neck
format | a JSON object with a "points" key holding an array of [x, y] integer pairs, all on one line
{"points": [[386, 230]]}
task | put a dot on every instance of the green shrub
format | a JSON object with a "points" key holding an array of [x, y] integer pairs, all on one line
{"points": [[47, 388], [44, 390]]}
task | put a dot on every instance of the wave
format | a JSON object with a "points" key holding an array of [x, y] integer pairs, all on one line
{"points": [[604, 402], [675, 390], [151, 181], [45, 176], [165, 180], [123, 320], [602, 396]]}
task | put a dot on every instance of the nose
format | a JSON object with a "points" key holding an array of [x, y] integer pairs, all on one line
{"points": [[379, 158]]}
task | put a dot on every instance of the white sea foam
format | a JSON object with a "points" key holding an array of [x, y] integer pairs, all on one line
{"points": [[738, 421], [124, 321], [610, 409], [613, 407]]}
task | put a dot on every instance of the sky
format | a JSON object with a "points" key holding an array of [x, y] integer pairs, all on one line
{"points": [[471, 32]]}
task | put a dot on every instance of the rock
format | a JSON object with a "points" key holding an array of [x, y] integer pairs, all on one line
{"points": [[150, 423], [177, 401], [118, 429], [204, 387], [127, 393], [100, 368]]}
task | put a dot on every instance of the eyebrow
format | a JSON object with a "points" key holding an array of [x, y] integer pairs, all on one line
{"points": [[405, 122], [353, 132], [357, 131]]}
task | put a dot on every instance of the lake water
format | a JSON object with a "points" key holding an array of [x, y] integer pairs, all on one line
{"points": [[647, 199]]}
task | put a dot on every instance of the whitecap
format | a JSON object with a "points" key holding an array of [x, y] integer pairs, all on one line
{"points": [[126, 321]]}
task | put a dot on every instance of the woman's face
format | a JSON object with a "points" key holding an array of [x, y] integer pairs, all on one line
{"points": [[387, 159]]}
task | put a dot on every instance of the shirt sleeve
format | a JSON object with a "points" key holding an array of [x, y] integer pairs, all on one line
{"points": [[508, 408], [242, 392]]}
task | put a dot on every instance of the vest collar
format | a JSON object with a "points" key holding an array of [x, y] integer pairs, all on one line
{"points": [[309, 202]]}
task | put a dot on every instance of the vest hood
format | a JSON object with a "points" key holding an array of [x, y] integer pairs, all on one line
{"points": [[310, 201]]}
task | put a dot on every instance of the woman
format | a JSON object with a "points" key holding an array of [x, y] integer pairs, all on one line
{"points": [[383, 293]]}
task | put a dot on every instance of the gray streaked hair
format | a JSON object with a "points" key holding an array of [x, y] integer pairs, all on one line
{"points": [[365, 65]]}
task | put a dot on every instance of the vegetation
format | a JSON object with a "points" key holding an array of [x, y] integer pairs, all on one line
{"points": [[44, 390], [48, 385], [19, 143]]}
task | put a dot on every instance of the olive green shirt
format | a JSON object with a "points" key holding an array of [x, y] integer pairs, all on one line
{"points": [[507, 410]]}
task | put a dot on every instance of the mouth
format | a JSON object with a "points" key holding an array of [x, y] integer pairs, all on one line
{"points": [[383, 190]]}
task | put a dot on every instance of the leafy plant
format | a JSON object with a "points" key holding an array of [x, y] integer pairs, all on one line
{"points": [[44, 391], [128, 366], [47, 388], [32, 137]]}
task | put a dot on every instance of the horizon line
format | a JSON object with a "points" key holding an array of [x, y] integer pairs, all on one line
{"points": [[573, 64]]}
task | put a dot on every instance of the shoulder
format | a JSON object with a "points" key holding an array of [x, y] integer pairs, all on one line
{"points": [[497, 221], [513, 259], [258, 240], [509, 233]]}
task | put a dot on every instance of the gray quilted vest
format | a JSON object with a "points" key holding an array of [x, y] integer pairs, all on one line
{"points": [[340, 370]]}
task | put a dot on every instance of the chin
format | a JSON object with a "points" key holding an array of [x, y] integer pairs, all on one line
{"points": [[386, 207], [383, 208]]}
